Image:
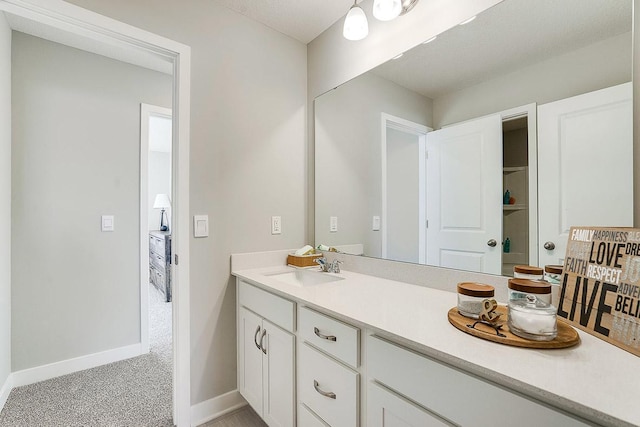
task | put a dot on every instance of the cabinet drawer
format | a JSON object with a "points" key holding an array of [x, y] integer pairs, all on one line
{"points": [[306, 418], [442, 390], [332, 336], [156, 244], [278, 310], [328, 388], [385, 408], [157, 260]]}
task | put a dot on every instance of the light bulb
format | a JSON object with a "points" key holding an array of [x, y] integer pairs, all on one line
{"points": [[356, 26], [386, 10]]}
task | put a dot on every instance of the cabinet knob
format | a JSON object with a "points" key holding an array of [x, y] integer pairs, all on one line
{"points": [[328, 394], [492, 243], [549, 246]]}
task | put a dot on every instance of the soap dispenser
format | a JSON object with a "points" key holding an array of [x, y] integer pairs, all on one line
{"points": [[507, 246]]}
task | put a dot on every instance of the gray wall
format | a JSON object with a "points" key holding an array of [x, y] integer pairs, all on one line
{"points": [[76, 144], [5, 200], [348, 155], [597, 66], [159, 183], [248, 155]]}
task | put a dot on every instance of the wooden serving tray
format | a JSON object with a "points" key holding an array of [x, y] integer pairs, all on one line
{"points": [[567, 336]]}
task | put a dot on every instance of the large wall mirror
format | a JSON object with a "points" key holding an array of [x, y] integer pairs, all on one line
{"points": [[479, 149]]}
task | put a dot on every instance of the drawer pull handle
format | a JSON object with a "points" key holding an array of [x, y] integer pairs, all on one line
{"points": [[255, 338], [324, 337], [328, 394], [264, 349]]}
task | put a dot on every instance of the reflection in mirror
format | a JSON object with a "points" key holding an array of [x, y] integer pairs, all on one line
{"points": [[414, 158]]}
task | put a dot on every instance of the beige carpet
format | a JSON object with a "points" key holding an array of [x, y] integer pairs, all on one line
{"points": [[133, 392]]}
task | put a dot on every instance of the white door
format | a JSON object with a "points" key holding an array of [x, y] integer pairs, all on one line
{"points": [[464, 196], [250, 358], [585, 160], [278, 376]]}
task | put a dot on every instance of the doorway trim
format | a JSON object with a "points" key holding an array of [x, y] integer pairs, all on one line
{"points": [[404, 125], [68, 24]]}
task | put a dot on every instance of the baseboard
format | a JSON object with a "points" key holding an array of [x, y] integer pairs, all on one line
{"points": [[218, 406], [53, 370], [5, 390]]}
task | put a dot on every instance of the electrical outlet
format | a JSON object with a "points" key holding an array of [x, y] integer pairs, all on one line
{"points": [[333, 224], [276, 225]]}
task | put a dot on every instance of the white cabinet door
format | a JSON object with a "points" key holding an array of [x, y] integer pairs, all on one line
{"points": [[278, 373], [585, 157], [386, 409], [464, 195], [250, 358]]}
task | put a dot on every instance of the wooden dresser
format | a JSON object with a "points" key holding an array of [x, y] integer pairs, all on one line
{"points": [[160, 261]]}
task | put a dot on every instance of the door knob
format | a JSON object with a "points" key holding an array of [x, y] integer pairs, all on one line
{"points": [[492, 243], [549, 246]]}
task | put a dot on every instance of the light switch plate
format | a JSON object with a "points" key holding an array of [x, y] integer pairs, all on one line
{"points": [[107, 223], [376, 223], [201, 226], [276, 225], [333, 224]]}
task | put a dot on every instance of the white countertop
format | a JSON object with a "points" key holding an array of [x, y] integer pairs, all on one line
{"points": [[595, 380]]}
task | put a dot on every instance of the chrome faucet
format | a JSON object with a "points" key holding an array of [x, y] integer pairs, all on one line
{"points": [[335, 266], [331, 267]]}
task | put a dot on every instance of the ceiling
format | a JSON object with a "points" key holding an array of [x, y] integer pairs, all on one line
{"points": [[302, 20], [506, 37]]}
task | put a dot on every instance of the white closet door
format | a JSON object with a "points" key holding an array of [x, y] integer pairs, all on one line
{"points": [[585, 160], [464, 196]]}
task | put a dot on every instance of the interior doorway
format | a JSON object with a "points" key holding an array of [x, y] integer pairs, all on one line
{"points": [[73, 26], [403, 220], [155, 212]]}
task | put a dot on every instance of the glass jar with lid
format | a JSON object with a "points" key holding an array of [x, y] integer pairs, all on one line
{"points": [[520, 288], [531, 314], [528, 272], [470, 297], [553, 274]]}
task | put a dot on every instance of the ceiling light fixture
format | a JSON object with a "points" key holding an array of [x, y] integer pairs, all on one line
{"points": [[386, 10], [356, 26]]}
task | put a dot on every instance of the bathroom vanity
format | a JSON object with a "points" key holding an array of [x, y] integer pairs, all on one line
{"points": [[353, 349]]}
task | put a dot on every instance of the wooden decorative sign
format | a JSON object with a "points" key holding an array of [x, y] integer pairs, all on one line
{"points": [[601, 284]]}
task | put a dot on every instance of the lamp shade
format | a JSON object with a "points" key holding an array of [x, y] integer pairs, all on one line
{"points": [[162, 202], [386, 10], [356, 26]]}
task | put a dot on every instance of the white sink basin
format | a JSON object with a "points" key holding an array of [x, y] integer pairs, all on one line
{"points": [[304, 277]]}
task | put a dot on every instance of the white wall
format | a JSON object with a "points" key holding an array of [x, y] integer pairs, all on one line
{"points": [[5, 202], [76, 156], [597, 66], [248, 153], [348, 155], [159, 183]]}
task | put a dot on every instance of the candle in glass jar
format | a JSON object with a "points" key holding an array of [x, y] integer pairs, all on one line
{"points": [[470, 297]]}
